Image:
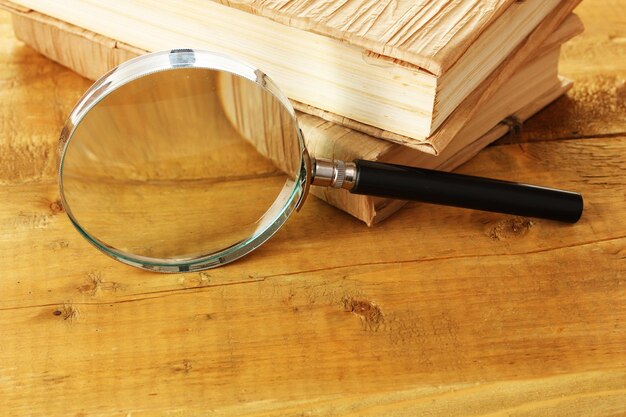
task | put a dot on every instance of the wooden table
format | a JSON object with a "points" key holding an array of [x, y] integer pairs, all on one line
{"points": [[437, 312]]}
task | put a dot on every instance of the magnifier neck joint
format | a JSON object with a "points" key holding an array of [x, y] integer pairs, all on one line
{"points": [[333, 173]]}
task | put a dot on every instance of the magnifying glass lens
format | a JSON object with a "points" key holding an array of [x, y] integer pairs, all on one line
{"points": [[179, 165]]}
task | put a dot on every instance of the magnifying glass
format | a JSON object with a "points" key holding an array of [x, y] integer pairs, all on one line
{"points": [[185, 160]]}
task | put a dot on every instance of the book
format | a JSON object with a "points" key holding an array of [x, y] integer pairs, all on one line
{"points": [[533, 86], [396, 70]]}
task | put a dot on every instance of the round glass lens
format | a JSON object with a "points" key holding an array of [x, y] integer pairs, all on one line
{"points": [[183, 168]]}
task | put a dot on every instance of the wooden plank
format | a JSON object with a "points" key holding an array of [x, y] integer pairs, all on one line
{"points": [[436, 312], [523, 311]]}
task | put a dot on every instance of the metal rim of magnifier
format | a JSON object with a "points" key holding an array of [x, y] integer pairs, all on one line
{"points": [[166, 61]]}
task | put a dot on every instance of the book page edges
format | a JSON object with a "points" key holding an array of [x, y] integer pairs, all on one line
{"points": [[570, 27]]}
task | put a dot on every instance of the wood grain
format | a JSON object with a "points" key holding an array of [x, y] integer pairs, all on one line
{"points": [[518, 316], [435, 312]]}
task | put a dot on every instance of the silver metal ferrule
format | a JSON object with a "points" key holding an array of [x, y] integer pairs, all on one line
{"points": [[333, 173]]}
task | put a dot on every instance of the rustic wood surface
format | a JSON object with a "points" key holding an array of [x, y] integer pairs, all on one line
{"points": [[437, 312]]}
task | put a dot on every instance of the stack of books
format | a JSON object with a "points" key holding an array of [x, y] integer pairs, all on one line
{"points": [[427, 83]]}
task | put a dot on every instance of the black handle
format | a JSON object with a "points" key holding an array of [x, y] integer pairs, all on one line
{"points": [[407, 183]]}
